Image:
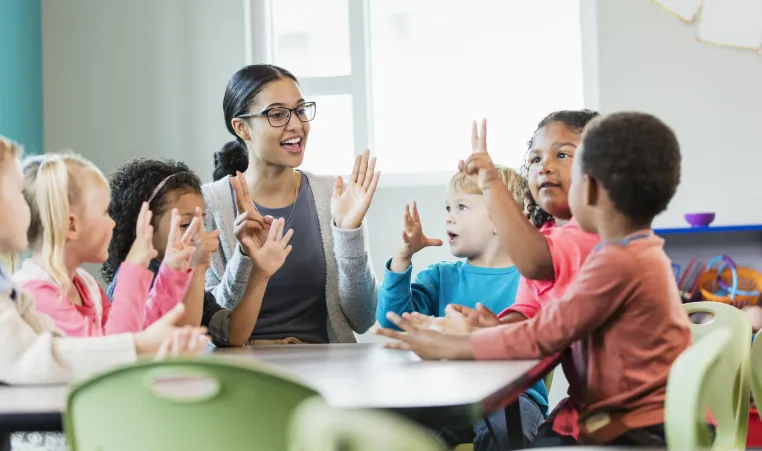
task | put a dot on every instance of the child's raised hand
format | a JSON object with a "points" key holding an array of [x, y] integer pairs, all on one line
{"points": [[479, 164], [413, 238], [270, 256], [245, 204], [207, 243], [142, 250], [180, 247]]}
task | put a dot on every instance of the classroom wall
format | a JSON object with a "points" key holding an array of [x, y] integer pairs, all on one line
{"points": [[139, 78], [21, 79]]}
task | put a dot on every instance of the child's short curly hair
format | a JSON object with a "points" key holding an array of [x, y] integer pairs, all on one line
{"points": [[510, 177], [133, 184], [636, 158]]}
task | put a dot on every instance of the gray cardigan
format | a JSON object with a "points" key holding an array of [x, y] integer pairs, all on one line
{"points": [[351, 290]]}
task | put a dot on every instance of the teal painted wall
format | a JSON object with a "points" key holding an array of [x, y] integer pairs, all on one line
{"points": [[21, 73]]}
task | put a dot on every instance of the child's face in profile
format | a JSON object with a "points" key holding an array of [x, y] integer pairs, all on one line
{"points": [[469, 228], [550, 160], [186, 204], [15, 216], [96, 227]]}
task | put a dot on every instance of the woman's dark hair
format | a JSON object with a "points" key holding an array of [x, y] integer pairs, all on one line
{"points": [[575, 120], [240, 93], [133, 184]]}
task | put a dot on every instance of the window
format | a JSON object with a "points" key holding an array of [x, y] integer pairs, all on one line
{"points": [[405, 78]]}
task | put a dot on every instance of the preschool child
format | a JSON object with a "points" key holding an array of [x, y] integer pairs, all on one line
{"points": [[549, 249], [622, 317], [486, 274], [70, 226], [169, 186], [34, 350]]}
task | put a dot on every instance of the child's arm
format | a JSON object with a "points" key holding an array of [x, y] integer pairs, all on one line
{"points": [[521, 240], [65, 315], [398, 295], [598, 293], [600, 290], [175, 273], [129, 300], [207, 243], [33, 351], [413, 240]]}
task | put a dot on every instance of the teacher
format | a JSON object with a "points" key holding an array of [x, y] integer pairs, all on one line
{"points": [[326, 288]]}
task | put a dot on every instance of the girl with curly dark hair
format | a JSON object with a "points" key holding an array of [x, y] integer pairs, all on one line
{"points": [[168, 185], [550, 251]]}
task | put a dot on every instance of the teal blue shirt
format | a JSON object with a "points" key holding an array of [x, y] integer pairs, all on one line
{"points": [[451, 283]]}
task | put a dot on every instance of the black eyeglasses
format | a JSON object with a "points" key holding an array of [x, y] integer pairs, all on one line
{"points": [[279, 116]]}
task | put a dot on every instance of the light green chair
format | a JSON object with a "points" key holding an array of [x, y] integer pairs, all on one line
{"points": [[756, 369], [183, 405], [318, 427], [701, 378], [728, 394]]}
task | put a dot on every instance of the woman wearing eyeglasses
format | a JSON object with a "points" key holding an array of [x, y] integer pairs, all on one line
{"points": [[326, 289]]}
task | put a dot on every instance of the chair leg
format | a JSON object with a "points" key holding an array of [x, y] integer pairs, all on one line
{"points": [[514, 426], [5, 441]]}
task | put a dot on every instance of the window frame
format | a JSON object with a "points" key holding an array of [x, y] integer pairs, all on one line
{"points": [[259, 47]]}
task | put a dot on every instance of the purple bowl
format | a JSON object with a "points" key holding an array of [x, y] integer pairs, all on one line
{"points": [[699, 219]]}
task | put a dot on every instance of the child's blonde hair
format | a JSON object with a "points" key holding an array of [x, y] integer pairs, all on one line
{"points": [[54, 183], [510, 177], [9, 149]]}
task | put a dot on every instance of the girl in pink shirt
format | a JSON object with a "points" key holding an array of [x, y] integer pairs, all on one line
{"points": [[69, 199], [549, 249]]}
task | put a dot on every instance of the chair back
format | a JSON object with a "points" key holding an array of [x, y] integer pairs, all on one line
{"points": [[319, 427], [183, 404]]}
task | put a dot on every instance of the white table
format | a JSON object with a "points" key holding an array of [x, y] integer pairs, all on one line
{"points": [[347, 375]]}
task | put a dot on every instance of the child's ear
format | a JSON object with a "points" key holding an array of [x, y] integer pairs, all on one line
{"points": [[592, 191], [72, 230], [241, 129]]}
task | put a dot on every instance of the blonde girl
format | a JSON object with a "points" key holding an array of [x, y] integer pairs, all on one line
{"points": [[70, 226]]}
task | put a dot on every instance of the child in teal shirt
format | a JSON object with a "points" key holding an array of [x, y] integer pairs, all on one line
{"points": [[485, 275]]}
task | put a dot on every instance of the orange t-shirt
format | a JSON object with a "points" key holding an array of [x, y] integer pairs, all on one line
{"points": [[624, 321]]}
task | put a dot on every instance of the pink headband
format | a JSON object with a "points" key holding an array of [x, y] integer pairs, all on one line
{"points": [[160, 186]]}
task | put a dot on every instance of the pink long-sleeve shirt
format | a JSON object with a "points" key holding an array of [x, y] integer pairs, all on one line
{"points": [[569, 246], [136, 304]]}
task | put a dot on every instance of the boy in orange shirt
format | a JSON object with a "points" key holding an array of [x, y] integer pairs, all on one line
{"points": [[622, 316]]}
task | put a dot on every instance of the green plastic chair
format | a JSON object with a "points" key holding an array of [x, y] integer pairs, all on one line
{"points": [[699, 379], [727, 395], [318, 427], [756, 369], [548, 379], [185, 405]]}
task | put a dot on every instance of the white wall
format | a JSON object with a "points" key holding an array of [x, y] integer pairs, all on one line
{"points": [[139, 78], [712, 96]]}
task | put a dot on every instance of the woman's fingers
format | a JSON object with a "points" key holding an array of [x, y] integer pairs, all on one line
{"points": [[369, 173], [286, 238], [362, 172], [355, 171]]}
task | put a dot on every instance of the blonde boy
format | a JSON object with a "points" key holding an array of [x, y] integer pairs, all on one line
{"points": [[485, 274]]}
